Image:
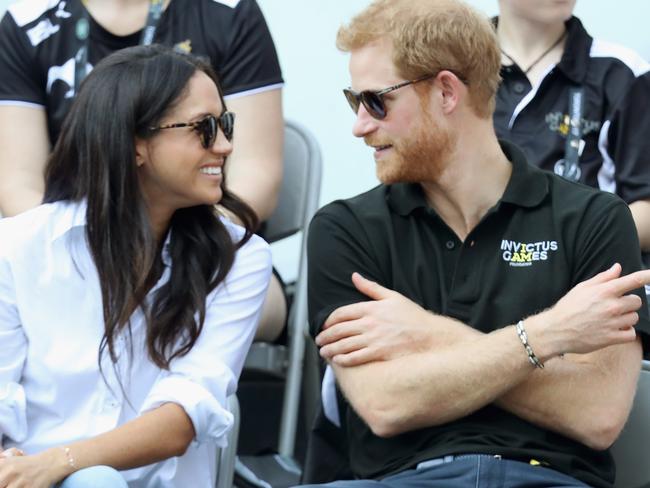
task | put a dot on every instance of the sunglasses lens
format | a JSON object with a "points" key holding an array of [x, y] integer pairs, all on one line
{"points": [[207, 129], [353, 99], [374, 104], [227, 124]]}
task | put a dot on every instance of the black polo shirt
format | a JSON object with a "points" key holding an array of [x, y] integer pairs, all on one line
{"points": [[544, 236], [536, 118]]}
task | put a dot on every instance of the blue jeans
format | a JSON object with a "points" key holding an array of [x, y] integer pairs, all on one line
{"points": [[468, 471], [94, 477]]}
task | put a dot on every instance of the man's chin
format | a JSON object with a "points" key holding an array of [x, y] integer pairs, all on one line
{"points": [[390, 177], [386, 174]]}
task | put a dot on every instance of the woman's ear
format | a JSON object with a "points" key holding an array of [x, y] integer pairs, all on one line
{"points": [[141, 151]]}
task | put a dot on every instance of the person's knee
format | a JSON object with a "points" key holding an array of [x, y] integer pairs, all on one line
{"points": [[94, 477]]}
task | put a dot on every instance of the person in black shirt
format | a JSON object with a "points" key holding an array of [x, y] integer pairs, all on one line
{"points": [[547, 53], [485, 320]]}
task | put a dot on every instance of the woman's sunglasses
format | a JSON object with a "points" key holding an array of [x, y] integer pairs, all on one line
{"points": [[373, 101], [207, 127]]}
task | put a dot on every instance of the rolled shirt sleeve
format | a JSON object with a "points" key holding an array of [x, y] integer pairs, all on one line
{"points": [[13, 351], [202, 380]]}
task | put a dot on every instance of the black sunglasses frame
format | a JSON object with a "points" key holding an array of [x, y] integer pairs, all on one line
{"points": [[207, 127], [373, 101]]}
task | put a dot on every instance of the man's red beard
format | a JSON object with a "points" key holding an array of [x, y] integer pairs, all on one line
{"points": [[421, 158]]}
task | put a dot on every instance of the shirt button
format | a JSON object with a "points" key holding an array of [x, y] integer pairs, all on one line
{"points": [[450, 245], [519, 88]]}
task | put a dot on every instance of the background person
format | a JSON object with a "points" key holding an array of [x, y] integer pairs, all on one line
{"points": [[546, 52], [470, 306], [128, 258]]}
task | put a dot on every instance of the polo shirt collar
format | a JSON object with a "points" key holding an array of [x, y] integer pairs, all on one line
{"points": [[527, 186], [405, 198], [575, 59]]}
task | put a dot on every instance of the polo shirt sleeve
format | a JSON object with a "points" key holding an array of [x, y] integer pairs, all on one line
{"points": [[13, 352], [250, 61], [607, 235], [338, 245], [19, 82], [201, 381], [628, 146]]}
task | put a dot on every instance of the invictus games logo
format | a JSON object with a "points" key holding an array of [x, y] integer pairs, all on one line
{"points": [[561, 123], [526, 253]]}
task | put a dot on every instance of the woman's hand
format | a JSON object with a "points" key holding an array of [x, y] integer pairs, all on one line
{"points": [[38, 471]]}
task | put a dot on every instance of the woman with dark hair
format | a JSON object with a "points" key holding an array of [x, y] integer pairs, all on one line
{"points": [[127, 305]]}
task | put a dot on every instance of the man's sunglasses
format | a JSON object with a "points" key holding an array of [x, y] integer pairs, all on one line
{"points": [[207, 127], [373, 101]]}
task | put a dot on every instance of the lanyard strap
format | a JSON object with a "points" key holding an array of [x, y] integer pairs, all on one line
{"points": [[82, 31], [572, 151]]}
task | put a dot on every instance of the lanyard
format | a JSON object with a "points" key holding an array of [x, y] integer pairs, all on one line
{"points": [[82, 31], [571, 170]]}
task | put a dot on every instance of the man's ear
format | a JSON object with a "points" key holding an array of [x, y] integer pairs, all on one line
{"points": [[141, 151], [451, 88]]}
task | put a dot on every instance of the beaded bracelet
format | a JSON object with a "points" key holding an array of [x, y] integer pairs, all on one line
{"points": [[523, 337]]}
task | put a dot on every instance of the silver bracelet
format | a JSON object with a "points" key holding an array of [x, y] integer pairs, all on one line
{"points": [[69, 457], [523, 337]]}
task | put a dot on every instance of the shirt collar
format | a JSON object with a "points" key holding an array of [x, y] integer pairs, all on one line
{"points": [[405, 198], [527, 187], [73, 214], [575, 59]]}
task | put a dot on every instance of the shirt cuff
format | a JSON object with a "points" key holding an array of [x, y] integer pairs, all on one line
{"points": [[13, 418], [210, 419]]}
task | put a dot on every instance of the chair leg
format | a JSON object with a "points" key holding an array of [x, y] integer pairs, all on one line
{"points": [[228, 455]]}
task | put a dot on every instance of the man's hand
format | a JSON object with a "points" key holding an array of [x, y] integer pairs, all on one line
{"points": [[388, 326], [595, 314]]}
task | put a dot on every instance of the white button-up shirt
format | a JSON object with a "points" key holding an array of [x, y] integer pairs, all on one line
{"points": [[51, 323]]}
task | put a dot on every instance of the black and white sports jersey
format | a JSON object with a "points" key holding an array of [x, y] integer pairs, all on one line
{"points": [[536, 118], [38, 46]]}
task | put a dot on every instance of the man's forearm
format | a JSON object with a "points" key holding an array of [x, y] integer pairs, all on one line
{"points": [[585, 397], [435, 387]]}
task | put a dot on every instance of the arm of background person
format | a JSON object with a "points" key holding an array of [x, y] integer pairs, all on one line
{"points": [[627, 148], [24, 148], [641, 214], [254, 169]]}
